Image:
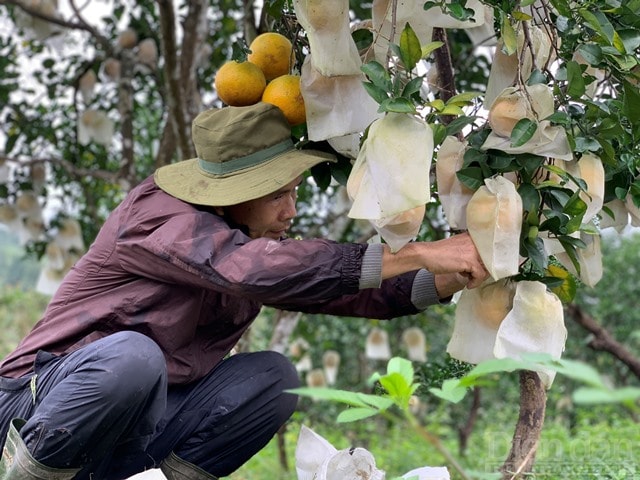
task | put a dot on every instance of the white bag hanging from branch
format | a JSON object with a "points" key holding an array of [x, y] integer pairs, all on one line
{"points": [[416, 344], [494, 220], [614, 215], [589, 260], [389, 183], [331, 363], [335, 106], [534, 325], [326, 22], [377, 346], [535, 102], [315, 378], [633, 210], [453, 194], [478, 315], [504, 67], [591, 170], [422, 21]]}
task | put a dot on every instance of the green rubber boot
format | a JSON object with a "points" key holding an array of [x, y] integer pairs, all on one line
{"points": [[174, 468], [18, 464]]}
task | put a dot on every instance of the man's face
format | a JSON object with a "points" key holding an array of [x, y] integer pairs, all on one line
{"points": [[269, 216]]}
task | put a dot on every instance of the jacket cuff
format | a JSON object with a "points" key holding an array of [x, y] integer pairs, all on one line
{"points": [[371, 270], [423, 291]]}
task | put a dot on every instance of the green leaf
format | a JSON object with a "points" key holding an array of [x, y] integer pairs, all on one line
{"points": [[575, 81], [590, 396], [410, 50], [398, 105], [631, 103], [451, 390], [377, 93], [471, 177], [430, 48], [509, 37], [403, 367], [355, 399], [378, 75], [575, 206], [523, 131], [355, 414], [463, 98], [536, 252], [451, 110], [530, 197], [413, 86], [591, 52], [566, 290]]}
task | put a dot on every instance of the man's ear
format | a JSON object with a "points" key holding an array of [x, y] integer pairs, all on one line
{"points": [[219, 211]]}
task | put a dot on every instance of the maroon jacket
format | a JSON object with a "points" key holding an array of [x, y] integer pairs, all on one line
{"points": [[182, 276]]}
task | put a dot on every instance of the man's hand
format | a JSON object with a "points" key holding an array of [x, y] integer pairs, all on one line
{"points": [[454, 255]]}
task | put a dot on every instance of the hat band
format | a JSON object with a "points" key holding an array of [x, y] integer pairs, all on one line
{"points": [[240, 163]]}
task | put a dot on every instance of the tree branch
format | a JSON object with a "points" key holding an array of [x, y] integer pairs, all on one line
{"points": [[175, 98], [602, 339]]}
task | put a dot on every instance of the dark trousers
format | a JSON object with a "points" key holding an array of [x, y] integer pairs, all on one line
{"points": [[107, 409]]}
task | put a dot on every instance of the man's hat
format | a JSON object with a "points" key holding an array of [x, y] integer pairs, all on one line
{"points": [[243, 153]]}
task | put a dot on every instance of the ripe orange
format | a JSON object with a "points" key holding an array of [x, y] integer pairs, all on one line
{"points": [[273, 53], [284, 92], [240, 83]]}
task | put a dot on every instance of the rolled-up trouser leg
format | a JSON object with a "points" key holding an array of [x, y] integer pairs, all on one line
{"points": [[223, 420], [100, 402]]}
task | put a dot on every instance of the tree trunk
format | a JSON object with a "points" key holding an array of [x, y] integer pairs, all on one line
{"points": [[533, 398]]}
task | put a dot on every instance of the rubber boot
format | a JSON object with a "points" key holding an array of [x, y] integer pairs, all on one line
{"points": [[174, 468], [18, 464]]}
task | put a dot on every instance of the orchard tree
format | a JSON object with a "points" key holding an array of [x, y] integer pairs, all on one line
{"points": [[518, 121]]}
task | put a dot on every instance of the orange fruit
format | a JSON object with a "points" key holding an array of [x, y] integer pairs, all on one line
{"points": [[284, 92], [240, 83], [273, 53]]}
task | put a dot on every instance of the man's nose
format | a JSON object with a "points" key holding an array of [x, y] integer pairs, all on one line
{"points": [[289, 211]]}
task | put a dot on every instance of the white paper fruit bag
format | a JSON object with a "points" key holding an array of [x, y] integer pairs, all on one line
{"points": [[454, 195], [494, 220], [479, 313], [534, 325], [326, 23], [335, 106], [389, 182]]}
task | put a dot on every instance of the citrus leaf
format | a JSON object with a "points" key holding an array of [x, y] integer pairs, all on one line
{"points": [[410, 50], [354, 414], [523, 131]]}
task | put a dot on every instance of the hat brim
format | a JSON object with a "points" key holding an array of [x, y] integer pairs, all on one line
{"points": [[188, 182]]}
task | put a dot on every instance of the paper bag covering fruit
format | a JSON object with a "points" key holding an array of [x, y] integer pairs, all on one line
{"points": [[590, 169], [494, 221], [326, 22], [504, 68], [422, 21], [507, 319], [454, 195], [389, 183], [589, 260], [534, 325], [536, 103], [335, 106], [479, 313]]}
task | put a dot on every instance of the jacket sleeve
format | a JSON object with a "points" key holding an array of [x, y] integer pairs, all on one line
{"points": [[193, 247]]}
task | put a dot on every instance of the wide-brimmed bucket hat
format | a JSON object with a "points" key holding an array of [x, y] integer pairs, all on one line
{"points": [[243, 153]]}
